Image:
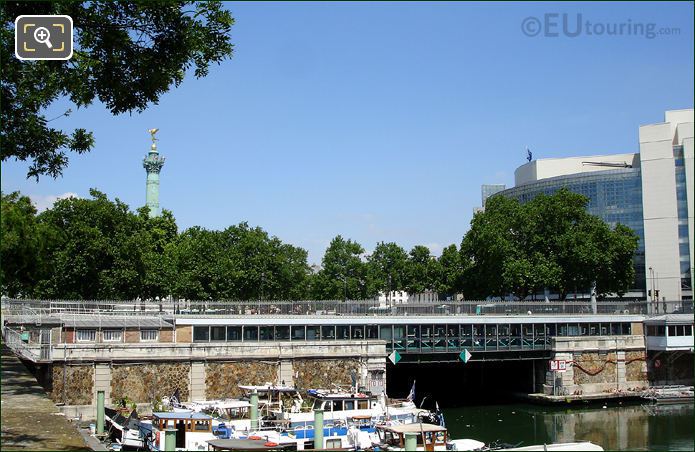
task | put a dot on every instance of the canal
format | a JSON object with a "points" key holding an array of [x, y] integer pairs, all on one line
{"points": [[616, 427]]}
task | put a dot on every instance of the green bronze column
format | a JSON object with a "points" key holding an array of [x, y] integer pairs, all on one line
{"points": [[153, 165]]}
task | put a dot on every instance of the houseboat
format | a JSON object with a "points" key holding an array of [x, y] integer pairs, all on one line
{"points": [[193, 430]]}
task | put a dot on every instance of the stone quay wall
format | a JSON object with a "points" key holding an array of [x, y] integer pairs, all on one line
{"points": [[222, 379], [598, 364], [146, 383], [72, 384], [145, 373]]}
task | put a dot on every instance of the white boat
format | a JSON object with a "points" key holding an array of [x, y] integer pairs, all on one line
{"points": [[125, 430], [340, 406]]}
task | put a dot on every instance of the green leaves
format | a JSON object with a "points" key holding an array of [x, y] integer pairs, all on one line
{"points": [[127, 55], [343, 274], [549, 242]]}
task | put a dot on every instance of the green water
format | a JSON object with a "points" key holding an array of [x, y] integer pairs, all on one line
{"points": [[632, 427]]}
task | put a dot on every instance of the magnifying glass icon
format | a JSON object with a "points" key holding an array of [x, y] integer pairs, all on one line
{"points": [[43, 36]]}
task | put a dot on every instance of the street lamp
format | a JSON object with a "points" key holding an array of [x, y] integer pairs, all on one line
{"points": [[651, 275]]}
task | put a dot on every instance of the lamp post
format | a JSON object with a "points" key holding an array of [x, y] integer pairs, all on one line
{"points": [[651, 276]]}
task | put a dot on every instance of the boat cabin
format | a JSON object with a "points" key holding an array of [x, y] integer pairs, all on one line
{"points": [[430, 437], [193, 429], [341, 401]]}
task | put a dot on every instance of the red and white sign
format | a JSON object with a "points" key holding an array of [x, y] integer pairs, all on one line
{"points": [[558, 365]]}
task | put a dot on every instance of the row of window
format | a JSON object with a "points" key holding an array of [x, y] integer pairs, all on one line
{"points": [[673, 330], [397, 332], [114, 335]]}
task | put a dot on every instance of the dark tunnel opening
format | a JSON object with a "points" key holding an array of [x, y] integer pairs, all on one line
{"points": [[457, 384]]}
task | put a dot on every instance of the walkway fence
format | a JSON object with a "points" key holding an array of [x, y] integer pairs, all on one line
{"points": [[36, 310]]}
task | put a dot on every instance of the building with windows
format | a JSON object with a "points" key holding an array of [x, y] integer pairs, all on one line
{"points": [[488, 190], [650, 191]]}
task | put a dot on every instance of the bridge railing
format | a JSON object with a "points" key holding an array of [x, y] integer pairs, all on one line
{"points": [[38, 309]]}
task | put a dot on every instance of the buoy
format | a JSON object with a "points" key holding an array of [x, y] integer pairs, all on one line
{"points": [[270, 444], [255, 437]]}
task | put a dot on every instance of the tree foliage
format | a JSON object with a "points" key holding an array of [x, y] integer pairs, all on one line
{"points": [[126, 55], [24, 240], [98, 248], [422, 272], [548, 242], [343, 273], [387, 268]]}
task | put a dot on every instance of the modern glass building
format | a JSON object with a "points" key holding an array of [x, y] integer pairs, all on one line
{"points": [[650, 191]]}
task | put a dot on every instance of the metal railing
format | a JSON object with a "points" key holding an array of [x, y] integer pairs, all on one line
{"points": [[36, 310], [20, 345]]}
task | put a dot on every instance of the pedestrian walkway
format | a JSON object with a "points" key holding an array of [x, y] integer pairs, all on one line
{"points": [[30, 420]]}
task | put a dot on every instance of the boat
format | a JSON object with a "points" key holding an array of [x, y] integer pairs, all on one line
{"points": [[339, 406], [124, 430], [227, 414], [430, 437], [667, 395], [193, 430]]}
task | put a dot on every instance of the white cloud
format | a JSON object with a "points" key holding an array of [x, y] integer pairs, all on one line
{"points": [[43, 202]]}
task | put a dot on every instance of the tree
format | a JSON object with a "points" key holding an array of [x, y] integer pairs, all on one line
{"points": [[549, 242], [492, 239], [343, 273], [387, 268], [451, 271], [97, 251], [23, 245], [241, 263], [192, 265], [157, 233], [422, 271], [127, 54]]}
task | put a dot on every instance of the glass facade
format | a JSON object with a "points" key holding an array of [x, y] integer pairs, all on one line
{"points": [[682, 204], [614, 195]]}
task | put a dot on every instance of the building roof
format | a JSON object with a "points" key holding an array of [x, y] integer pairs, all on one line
{"points": [[182, 415], [96, 321], [680, 319]]}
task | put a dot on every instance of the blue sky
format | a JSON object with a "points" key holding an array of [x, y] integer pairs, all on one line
{"points": [[381, 121]]}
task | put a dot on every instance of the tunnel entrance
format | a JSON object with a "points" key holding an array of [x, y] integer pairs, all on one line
{"points": [[454, 384]]}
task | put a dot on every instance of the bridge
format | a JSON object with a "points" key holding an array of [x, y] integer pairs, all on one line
{"points": [[212, 346]]}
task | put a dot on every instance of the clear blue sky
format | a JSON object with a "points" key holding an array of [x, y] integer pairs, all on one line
{"points": [[381, 121]]}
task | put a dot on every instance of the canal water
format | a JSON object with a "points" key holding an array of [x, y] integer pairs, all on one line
{"points": [[623, 427]]}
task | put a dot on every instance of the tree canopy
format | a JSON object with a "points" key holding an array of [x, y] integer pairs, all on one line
{"points": [[126, 55], [549, 242], [99, 248]]}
